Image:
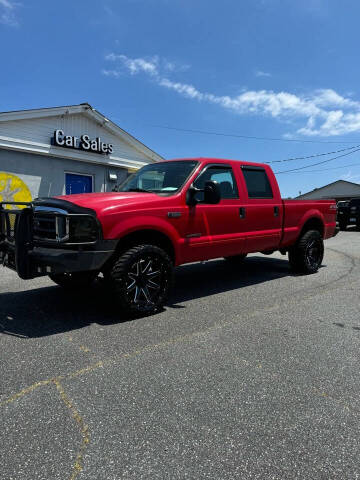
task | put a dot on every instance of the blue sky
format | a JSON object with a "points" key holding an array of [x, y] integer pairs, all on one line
{"points": [[282, 69]]}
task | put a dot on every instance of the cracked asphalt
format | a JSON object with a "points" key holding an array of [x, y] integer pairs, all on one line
{"points": [[249, 373]]}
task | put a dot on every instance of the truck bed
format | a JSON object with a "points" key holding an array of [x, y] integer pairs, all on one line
{"points": [[296, 213]]}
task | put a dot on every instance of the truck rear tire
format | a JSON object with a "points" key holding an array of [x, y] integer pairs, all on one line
{"points": [[141, 279], [307, 255], [74, 280]]}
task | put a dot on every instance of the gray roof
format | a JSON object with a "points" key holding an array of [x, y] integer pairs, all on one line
{"points": [[338, 189]]}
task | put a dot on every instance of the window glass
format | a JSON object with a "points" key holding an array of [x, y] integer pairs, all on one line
{"points": [[164, 178], [257, 183], [223, 176]]}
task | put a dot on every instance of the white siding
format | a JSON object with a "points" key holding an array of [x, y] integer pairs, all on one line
{"points": [[40, 130]]}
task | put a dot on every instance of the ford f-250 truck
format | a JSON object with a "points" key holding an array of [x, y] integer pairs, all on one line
{"points": [[167, 214]]}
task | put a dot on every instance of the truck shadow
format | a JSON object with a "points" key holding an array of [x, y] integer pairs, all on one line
{"points": [[50, 310], [202, 280]]}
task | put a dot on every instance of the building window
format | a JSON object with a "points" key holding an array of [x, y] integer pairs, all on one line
{"points": [[78, 183]]}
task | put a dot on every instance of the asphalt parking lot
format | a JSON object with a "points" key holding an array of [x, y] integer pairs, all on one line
{"points": [[249, 373]]}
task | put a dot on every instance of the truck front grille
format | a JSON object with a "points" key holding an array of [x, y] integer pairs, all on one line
{"points": [[44, 227], [50, 226]]}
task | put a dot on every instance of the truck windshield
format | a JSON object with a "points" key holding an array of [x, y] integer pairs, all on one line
{"points": [[164, 177]]}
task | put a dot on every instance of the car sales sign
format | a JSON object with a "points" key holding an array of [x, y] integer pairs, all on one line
{"points": [[81, 143]]}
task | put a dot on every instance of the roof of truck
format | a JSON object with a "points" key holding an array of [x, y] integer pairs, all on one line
{"points": [[216, 160]]}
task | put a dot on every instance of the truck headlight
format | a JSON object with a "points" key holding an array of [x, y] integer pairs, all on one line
{"points": [[83, 228]]}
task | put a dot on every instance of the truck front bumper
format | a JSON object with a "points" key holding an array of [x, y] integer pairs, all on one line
{"points": [[41, 261], [30, 257]]}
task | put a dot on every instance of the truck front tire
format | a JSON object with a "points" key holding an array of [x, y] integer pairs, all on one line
{"points": [[307, 255], [141, 279]]}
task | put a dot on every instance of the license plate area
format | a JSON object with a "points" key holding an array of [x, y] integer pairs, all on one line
{"points": [[352, 219]]}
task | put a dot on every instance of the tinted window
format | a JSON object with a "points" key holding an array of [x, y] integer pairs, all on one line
{"points": [[223, 176], [257, 183]]}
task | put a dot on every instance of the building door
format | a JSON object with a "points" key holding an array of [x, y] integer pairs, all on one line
{"points": [[75, 183]]}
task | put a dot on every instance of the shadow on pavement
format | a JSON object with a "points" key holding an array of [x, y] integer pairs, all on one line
{"points": [[51, 310]]}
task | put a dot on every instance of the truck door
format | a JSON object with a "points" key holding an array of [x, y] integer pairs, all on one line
{"points": [[213, 230], [262, 212]]}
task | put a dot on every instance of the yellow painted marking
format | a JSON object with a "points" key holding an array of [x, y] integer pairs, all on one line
{"points": [[147, 348], [82, 371], [84, 349], [24, 391], [84, 429], [13, 189]]}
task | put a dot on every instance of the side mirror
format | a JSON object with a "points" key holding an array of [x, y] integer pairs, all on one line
{"points": [[191, 196], [212, 193]]}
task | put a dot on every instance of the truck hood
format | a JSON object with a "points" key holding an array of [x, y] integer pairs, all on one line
{"points": [[106, 203]]}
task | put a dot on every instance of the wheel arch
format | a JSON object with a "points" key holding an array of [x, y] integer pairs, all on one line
{"points": [[147, 236], [313, 223]]}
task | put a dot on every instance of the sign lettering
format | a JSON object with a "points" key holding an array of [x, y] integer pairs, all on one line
{"points": [[83, 143]]}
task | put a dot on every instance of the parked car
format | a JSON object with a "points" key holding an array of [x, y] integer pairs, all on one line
{"points": [[167, 214], [349, 213]]}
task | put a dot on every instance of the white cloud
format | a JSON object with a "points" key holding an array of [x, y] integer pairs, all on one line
{"points": [[152, 65], [325, 112], [7, 13], [260, 73], [182, 88], [175, 67], [136, 65], [6, 4]]}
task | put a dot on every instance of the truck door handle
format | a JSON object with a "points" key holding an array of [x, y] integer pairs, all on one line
{"points": [[242, 212], [276, 211]]}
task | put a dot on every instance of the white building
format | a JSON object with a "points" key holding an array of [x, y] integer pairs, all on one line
{"points": [[62, 150], [339, 190]]}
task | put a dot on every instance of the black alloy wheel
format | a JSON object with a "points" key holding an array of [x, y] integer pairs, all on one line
{"points": [[307, 255], [314, 254], [142, 278]]}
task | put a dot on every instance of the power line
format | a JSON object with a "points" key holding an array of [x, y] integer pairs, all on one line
{"points": [[250, 137], [319, 163], [326, 169], [313, 156]]}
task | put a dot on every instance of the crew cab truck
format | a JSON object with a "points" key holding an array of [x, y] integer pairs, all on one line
{"points": [[349, 213], [167, 214]]}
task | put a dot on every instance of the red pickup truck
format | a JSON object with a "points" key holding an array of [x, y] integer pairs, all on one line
{"points": [[167, 214]]}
